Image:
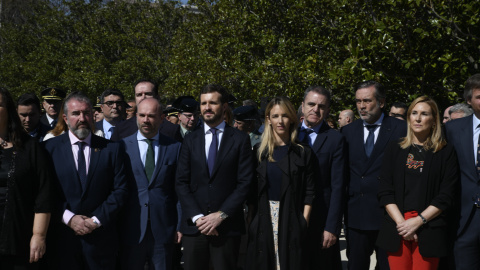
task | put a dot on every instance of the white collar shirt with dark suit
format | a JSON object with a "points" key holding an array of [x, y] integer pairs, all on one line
{"points": [[151, 201], [103, 197], [330, 149], [226, 189], [363, 210]]}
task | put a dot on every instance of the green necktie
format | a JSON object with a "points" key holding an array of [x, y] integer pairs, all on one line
{"points": [[150, 160]]}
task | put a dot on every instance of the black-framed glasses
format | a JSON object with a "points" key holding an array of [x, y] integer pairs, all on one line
{"points": [[110, 103]]}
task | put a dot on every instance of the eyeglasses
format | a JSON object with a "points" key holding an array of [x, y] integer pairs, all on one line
{"points": [[110, 103]]}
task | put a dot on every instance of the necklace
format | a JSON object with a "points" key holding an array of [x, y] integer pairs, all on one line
{"points": [[418, 147]]}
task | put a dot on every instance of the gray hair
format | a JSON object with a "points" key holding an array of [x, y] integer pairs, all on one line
{"points": [[79, 96], [461, 107]]}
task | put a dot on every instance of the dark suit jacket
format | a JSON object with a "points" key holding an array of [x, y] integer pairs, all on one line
{"points": [[225, 190], [330, 150], [438, 187], [44, 121], [129, 127], [104, 195], [363, 211], [155, 200], [459, 133], [99, 125]]}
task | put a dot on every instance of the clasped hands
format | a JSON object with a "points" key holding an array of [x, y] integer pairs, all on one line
{"points": [[207, 225], [82, 225], [408, 227]]}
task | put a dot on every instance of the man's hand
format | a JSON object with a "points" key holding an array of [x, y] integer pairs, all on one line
{"points": [[78, 225], [208, 224], [37, 247], [178, 238], [89, 223], [329, 239]]}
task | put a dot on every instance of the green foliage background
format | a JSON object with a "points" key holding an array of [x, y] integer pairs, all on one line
{"points": [[255, 48]]}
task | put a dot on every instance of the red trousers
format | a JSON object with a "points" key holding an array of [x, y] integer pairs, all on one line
{"points": [[408, 256]]}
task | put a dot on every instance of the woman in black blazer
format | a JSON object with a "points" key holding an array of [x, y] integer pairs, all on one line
{"points": [[417, 185], [282, 195]]}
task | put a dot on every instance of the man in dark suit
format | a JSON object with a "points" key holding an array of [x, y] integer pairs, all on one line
{"points": [[212, 187], [28, 109], [463, 134], [330, 149], [151, 213], [91, 189], [113, 106], [366, 141], [52, 100], [145, 89]]}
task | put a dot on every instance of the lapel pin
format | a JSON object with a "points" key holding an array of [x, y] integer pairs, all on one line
{"points": [[97, 150]]}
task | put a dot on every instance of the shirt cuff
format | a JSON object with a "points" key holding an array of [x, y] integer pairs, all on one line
{"points": [[67, 216], [194, 219], [96, 221]]}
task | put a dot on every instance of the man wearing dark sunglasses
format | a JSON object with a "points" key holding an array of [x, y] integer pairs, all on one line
{"points": [[113, 107]]}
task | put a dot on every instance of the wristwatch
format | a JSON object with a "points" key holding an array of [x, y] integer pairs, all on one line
{"points": [[223, 216]]}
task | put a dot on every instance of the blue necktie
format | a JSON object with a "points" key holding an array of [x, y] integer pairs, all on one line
{"points": [[370, 139], [306, 138], [82, 166], [212, 151]]}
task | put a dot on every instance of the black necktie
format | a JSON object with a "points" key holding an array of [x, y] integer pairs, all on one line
{"points": [[370, 139], [306, 137], [212, 151], [82, 166], [149, 160], [478, 154], [54, 123]]}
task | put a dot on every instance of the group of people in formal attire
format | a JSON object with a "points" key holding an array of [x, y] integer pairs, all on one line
{"points": [[123, 193]]}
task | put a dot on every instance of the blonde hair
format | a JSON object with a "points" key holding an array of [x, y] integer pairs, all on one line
{"points": [[268, 139], [435, 140]]}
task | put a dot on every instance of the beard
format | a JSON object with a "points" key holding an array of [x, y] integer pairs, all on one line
{"points": [[81, 133], [214, 119]]}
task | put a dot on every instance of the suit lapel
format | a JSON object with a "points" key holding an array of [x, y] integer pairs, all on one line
{"points": [[466, 141], [136, 159], [225, 145], [95, 151], [68, 157], [321, 137], [384, 134], [160, 160]]}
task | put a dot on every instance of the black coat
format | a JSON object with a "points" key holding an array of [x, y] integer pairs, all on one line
{"points": [[297, 191], [30, 191], [439, 187]]}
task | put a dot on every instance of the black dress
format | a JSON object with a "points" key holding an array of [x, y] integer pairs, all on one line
{"points": [[26, 189]]}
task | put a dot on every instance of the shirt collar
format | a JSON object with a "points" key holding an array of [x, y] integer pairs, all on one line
{"points": [[476, 122], [378, 123], [74, 139], [315, 128], [106, 125], [140, 137], [220, 127], [50, 119]]}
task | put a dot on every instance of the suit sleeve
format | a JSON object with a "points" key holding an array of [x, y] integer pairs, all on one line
{"points": [[386, 192], [449, 180], [245, 176], [338, 174], [310, 177], [189, 205], [109, 209]]}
